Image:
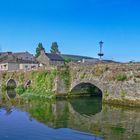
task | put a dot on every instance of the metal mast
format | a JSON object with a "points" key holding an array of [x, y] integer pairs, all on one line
{"points": [[100, 54]]}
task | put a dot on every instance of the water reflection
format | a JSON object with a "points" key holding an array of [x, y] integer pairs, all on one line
{"points": [[85, 115], [88, 106], [11, 93]]}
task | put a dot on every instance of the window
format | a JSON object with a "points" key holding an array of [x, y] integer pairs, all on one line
{"points": [[26, 66]]}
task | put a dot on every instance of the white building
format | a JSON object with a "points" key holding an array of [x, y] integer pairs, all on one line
{"points": [[17, 61]]}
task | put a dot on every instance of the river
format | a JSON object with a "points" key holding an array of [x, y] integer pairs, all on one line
{"points": [[83, 118]]}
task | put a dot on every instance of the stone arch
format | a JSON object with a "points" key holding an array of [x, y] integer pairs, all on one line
{"points": [[93, 83], [11, 83]]}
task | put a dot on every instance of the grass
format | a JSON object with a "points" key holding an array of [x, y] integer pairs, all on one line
{"points": [[20, 89], [120, 77]]}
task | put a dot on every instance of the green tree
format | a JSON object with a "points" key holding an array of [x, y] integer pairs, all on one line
{"points": [[54, 48], [38, 49]]}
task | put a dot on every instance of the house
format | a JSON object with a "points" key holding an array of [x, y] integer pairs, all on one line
{"points": [[24, 56], [17, 61], [49, 59]]}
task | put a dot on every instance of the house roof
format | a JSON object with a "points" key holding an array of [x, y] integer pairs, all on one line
{"points": [[12, 58], [54, 57], [8, 59], [27, 61], [21, 53]]}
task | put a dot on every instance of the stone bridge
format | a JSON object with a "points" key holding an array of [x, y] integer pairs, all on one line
{"points": [[119, 83]]}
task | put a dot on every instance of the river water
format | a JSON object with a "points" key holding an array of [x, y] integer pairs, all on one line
{"points": [[72, 119]]}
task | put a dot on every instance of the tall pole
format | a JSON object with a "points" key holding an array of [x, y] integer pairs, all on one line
{"points": [[100, 54]]}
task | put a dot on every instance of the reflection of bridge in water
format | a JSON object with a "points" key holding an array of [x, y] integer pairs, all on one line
{"points": [[11, 93], [111, 122]]}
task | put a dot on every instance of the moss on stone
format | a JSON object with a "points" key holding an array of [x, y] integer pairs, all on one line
{"points": [[106, 93], [122, 93], [123, 102], [64, 73]]}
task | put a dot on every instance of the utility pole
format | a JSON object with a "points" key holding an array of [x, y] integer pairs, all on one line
{"points": [[100, 54]]}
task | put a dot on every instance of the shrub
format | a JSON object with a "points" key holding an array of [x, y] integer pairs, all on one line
{"points": [[120, 77], [4, 75], [3, 87], [20, 89]]}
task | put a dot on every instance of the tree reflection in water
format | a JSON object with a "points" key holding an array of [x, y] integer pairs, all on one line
{"points": [[85, 115]]}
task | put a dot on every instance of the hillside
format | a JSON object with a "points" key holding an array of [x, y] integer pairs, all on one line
{"points": [[76, 57]]}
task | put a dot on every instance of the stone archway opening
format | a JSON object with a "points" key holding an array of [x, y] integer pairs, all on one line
{"points": [[87, 89], [11, 84]]}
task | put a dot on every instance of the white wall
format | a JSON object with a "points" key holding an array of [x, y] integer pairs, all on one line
{"points": [[3, 66], [13, 66], [28, 66], [16, 66], [9, 67]]}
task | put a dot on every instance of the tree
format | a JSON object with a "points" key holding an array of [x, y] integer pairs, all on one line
{"points": [[54, 48], [38, 49]]}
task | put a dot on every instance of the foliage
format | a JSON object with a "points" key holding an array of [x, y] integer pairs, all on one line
{"points": [[21, 77], [82, 76], [120, 77], [64, 74], [118, 130], [3, 87], [4, 75], [122, 93], [20, 89], [38, 49], [54, 48], [42, 84], [106, 94], [36, 94], [100, 69], [67, 60]]}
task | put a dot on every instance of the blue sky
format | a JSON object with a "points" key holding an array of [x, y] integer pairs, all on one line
{"points": [[77, 26]]}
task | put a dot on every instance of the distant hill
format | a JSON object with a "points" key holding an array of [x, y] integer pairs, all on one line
{"points": [[76, 57]]}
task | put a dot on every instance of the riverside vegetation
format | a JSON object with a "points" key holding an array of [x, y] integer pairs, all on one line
{"points": [[42, 84]]}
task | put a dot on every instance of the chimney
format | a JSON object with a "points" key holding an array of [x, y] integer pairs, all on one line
{"points": [[42, 52]]}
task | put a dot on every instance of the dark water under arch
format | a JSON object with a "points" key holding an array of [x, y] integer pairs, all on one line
{"points": [[87, 89]]}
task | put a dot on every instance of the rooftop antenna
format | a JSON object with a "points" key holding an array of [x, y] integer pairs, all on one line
{"points": [[100, 54]]}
